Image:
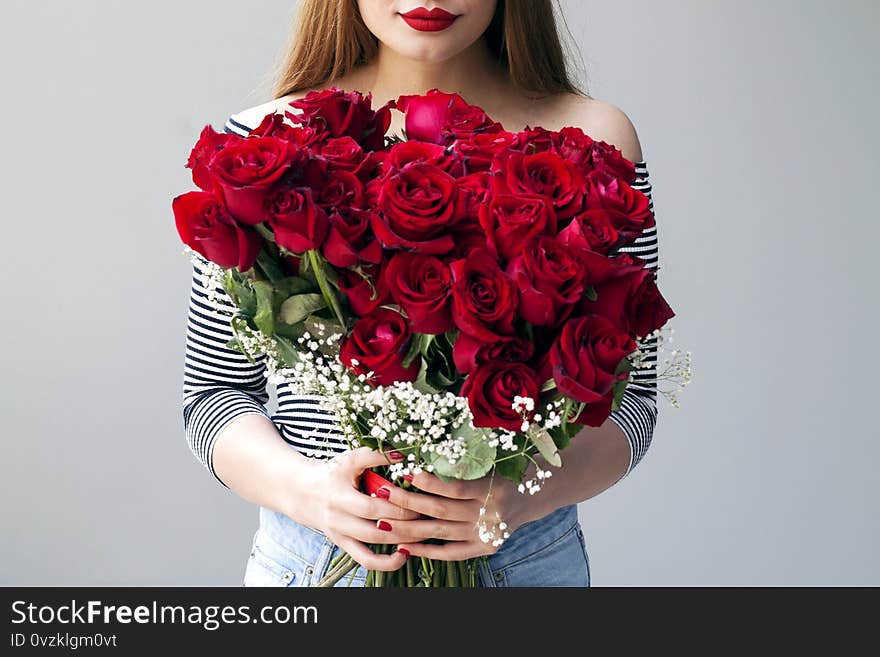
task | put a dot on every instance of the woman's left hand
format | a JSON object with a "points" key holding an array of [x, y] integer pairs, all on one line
{"points": [[453, 511]]}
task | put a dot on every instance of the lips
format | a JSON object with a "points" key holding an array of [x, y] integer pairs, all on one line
{"points": [[426, 20]]}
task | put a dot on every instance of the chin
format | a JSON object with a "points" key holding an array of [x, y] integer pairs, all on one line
{"points": [[425, 50]]}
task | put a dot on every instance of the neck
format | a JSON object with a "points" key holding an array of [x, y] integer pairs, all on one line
{"points": [[472, 73]]}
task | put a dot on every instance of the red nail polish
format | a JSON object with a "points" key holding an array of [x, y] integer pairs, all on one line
{"points": [[396, 456], [409, 478], [404, 552], [384, 526], [384, 492]]}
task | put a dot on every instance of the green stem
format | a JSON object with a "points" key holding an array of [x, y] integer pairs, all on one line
{"points": [[336, 573], [452, 580], [410, 573], [265, 232], [321, 276]]}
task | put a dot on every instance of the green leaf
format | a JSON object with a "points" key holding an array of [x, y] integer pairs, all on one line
{"points": [[241, 293], [287, 351], [542, 440], [590, 293], [563, 433], [322, 276], [477, 461], [512, 467], [619, 390], [269, 265], [290, 286], [297, 308], [421, 383], [419, 344], [548, 385], [265, 315], [624, 366]]}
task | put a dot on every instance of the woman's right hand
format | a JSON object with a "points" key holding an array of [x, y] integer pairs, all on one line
{"points": [[327, 497]]}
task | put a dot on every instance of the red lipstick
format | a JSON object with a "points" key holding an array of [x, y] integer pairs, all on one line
{"points": [[428, 21]]}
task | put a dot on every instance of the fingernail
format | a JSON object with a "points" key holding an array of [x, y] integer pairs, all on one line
{"points": [[404, 552], [384, 526], [409, 478], [395, 455], [384, 492]]}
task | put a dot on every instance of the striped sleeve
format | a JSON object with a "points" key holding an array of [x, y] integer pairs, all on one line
{"points": [[637, 414], [219, 383]]}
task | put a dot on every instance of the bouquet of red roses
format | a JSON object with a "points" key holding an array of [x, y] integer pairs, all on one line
{"points": [[453, 296]]}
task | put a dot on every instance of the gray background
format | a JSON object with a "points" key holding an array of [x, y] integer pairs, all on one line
{"points": [[757, 120]]}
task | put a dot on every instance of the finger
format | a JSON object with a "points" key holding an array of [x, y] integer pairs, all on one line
{"points": [[454, 551], [369, 559], [435, 506], [372, 508], [456, 489], [420, 530], [373, 531], [362, 458]]}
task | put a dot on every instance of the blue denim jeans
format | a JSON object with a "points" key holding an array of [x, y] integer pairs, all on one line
{"points": [[549, 551]]}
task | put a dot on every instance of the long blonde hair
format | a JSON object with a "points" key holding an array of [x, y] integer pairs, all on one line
{"points": [[329, 38]]}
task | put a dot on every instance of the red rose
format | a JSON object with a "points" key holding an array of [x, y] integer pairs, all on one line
{"points": [[349, 240], [509, 220], [420, 284], [575, 146], [628, 296], [484, 299], [273, 125], [439, 117], [550, 279], [298, 222], [475, 187], [206, 147], [478, 150], [402, 153], [593, 231], [608, 159], [543, 173], [417, 205], [584, 358], [341, 153], [378, 343], [628, 209], [204, 225], [535, 140], [339, 189], [365, 291], [468, 235], [468, 352], [342, 113], [491, 389], [245, 171]]}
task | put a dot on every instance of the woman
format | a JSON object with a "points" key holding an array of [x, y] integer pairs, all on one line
{"points": [[505, 56]]}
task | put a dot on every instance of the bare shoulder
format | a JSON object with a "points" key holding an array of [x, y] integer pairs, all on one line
{"points": [[251, 117], [602, 121]]}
